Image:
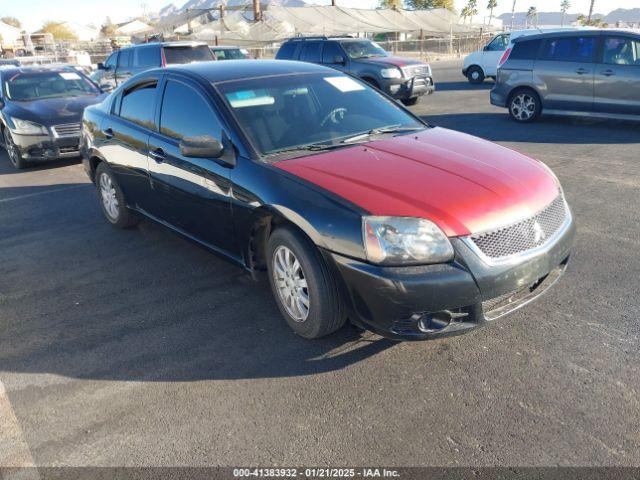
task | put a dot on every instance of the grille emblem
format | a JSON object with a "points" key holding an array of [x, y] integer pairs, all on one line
{"points": [[538, 233]]}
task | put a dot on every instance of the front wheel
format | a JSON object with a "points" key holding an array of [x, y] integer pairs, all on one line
{"points": [[475, 75], [304, 289], [13, 152], [524, 106], [112, 199]]}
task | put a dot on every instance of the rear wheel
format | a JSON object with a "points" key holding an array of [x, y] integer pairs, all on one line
{"points": [[13, 152], [475, 75], [302, 285], [410, 101], [112, 199], [524, 106]]}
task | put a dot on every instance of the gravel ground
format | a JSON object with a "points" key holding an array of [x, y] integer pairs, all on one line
{"points": [[139, 348]]}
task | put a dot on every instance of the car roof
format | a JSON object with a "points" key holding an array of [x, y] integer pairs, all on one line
{"points": [[324, 38], [571, 33], [12, 69], [224, 47], [184, 43], [241, 69]]}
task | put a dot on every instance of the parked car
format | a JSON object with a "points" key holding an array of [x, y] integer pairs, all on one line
{"points": [[126, 62], [354, 206], [41, 110], [482, 64], [401, 78], [12, 62], [227, 52], [595, 73]]}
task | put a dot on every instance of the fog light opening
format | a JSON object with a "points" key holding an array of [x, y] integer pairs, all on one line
{"points": [[434, 322]]}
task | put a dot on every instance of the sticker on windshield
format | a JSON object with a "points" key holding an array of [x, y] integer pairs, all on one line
{"points": [[70, 76], [344, 84]]}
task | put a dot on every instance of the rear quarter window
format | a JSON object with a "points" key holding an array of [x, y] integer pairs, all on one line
{"points": [[525, 50], [286, 51], [312, 52], [146, 57], [186, 54]]}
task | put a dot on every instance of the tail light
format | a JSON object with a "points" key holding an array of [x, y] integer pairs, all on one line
{"points": [[164, 59], [504, 57]]}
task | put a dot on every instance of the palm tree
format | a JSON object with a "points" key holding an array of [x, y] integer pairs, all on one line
{"points": [[532, 15], [472, 5], [465, 13], [491, 5], [564, 6], [513, 13], [590, 12]]}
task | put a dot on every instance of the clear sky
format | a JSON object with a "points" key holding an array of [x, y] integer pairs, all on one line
{"points": [[33, 12]]}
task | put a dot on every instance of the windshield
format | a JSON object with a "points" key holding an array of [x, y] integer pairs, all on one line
{"points": [[294, 111], [187, 54], [231, 53], [27, 86], [363, 49]]}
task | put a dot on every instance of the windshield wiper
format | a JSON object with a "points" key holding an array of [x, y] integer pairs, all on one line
{"points": [[313, 147], [381, 130]]}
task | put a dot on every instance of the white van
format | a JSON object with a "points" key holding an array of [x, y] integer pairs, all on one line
{"points": [[484, 63]]}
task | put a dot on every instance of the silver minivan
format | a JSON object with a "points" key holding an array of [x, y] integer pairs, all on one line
{"points": [[594, 73]]}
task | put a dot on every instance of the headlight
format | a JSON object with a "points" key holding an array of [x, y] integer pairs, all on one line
{"points": [[25, 127], [391, 73], [404, 241]]}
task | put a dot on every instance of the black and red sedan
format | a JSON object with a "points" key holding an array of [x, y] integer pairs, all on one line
{"points": [[356, 208]]}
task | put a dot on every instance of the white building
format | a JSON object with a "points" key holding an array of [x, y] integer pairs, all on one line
{"points": [[9, 34]]}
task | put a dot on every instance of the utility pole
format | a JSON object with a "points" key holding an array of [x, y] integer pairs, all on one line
{"points": [[333, 3], [513, 13], [221, 11], [590, 12], [257, 13]]}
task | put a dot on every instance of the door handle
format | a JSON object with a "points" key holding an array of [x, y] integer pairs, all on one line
{"points": [[608, 73], [582, 71], [108, 133], [158, 155]]}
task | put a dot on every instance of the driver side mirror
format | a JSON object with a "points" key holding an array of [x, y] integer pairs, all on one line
{"points": [[1, 103], [486, 48], [339, 59], [201, 147], [106, 87], [101, 66]]}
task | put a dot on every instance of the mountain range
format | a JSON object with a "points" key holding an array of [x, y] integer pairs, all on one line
{"points": [[171, 10], [627, 15]]}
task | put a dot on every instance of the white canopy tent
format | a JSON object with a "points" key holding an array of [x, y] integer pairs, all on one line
{"points": [[279, 23]]}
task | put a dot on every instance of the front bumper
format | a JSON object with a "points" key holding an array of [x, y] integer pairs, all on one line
{"points": [[403, 88], [40, 148], [401, 302]]}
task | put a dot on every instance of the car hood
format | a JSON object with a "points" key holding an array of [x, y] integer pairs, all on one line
{"points": [[462, 183], [53, 111], [391, 60]]}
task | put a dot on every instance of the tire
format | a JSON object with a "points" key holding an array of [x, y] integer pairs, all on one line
{"points": [[324, 312], [112, 201], [408, 102], [524, 105], [475, 75], [12, 151]]}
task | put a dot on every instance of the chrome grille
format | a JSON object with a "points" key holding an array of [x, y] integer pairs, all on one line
{"points": [[66, 130], [416, 71], [525, 235]]}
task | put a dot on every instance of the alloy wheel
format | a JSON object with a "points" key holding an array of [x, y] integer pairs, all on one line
{"points": [[291, 283], [523, 106], [108, 196], [11, 148]]}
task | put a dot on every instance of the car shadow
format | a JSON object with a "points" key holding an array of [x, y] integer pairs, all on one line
{"points": [[462, 85], [498, 127], [81, 299], [7, 169]]}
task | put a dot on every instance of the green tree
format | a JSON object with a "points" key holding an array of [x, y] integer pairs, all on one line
{"points": [[490, 6], [59, 31], [13, 21], [425, 4], [564, 6], [397, 4]]}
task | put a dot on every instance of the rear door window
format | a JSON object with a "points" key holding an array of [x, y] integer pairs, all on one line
{"points": [[525, 50], [312, 52], [569, 49], [330, 52], [138, 105], [178, 122], [187, 54], [621, 51], [146, 57]]}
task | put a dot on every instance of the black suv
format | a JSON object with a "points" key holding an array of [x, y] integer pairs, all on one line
{"points": [[402, 78], [129, 61]]}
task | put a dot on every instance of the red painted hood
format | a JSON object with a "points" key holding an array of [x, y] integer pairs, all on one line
{"points": [[462, 183]]}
